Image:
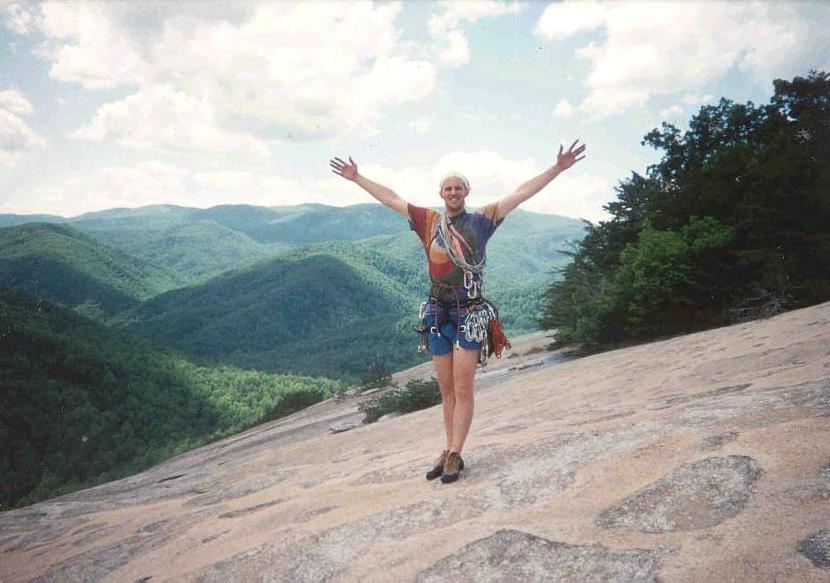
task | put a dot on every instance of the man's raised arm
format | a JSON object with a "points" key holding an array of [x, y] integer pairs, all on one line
{"points": [[386, 196], [534, 185]]}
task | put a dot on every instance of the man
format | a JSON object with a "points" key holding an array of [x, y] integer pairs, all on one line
{"points": [[455, 244]]}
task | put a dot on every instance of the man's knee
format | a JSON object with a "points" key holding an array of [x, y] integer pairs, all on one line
{"points": [[447, 389], [462, 393]]}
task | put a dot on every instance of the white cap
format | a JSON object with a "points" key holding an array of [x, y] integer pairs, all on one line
{"points": [[458, 175]]}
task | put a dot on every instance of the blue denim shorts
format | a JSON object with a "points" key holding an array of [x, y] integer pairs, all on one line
{"points": [[442, 343]]}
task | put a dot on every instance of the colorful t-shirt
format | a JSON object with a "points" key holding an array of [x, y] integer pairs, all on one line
{"points": [[476, 228]]}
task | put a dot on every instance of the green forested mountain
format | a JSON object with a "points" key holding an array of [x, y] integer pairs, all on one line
{"points": [[335, 300], [10, 220], [195, 250], [324, 310], [195, 243], [81, 403], [333, 308], [200, 243], [61, 263]]}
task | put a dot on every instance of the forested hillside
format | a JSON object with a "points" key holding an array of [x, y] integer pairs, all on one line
{"points": [[63, 264], [732, 223], [328, 310], [81, 403], [334, 308], [230, 303], [198, 244]]}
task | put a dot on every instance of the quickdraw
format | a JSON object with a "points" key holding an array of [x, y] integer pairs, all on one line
{"points": [[477, 322], [481, 324], [475, 288], [421, 329]]}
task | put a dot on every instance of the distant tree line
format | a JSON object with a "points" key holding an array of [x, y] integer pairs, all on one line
{"points": [[732, 223]]}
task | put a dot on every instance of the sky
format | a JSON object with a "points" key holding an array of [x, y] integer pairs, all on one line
{"points": [[127, 104]]}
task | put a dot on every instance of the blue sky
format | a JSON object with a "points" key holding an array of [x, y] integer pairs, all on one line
{"points": [[127, 104]]}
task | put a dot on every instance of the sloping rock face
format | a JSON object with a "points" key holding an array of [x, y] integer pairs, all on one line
{"points": [[512, 555], [817, 548], [700, 458], [695, 495]]}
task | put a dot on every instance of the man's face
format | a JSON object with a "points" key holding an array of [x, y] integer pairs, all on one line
{"points": [[454, 192]]}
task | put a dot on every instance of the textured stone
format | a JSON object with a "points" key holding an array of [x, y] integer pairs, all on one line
{"points": [[512, 555], [717, 441], [817, 548], [696, 495], [558, 450]]}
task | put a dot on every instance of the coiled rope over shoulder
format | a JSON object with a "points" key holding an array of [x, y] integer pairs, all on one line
{"points": [[448, 234]]}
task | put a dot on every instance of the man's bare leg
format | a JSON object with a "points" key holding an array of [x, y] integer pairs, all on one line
{"points": [[464, 364], [444, 369]]}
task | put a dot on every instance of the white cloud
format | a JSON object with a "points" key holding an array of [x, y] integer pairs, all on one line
{"points": [[15, 136], [87, 45], [14, 102], [492, 176], [639, 58], [275, 71], [165, 119], [563, 109], [153, 182], [672, 111], [694, 99], [454, 13], [574, 194], [457, 49], [141, 184], [230, 187], [446, 25], [563, 20], [19, 18], [421, 125]]}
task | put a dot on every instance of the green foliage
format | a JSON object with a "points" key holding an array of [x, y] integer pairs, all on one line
{"points": [[60, 263], [657, 283], [316, 296], [333, 301], [415, 396], [379, 375], [734, 221], [81, 403], [294, 401]]}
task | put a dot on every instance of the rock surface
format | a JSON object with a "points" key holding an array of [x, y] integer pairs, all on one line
{"points": [[512, 555], [817, 548], [698, 458], [695, 495]]}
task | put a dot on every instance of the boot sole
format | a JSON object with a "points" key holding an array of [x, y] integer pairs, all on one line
{"points": [[448, 478], [433, 477]]}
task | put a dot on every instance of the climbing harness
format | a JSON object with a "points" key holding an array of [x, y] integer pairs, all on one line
{"points": [[480, 322]]}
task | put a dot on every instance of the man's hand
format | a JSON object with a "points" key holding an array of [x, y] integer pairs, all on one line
{"points": [[347, 170], [569, 158]]}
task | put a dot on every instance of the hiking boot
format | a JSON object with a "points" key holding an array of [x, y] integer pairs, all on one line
{"points": [[452, 467], [438, 468]]}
